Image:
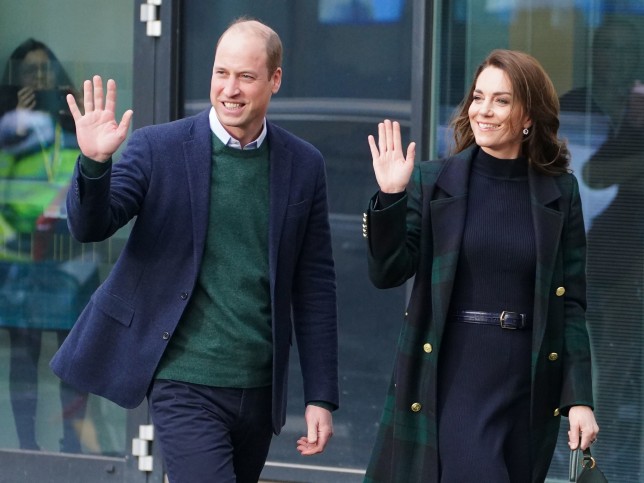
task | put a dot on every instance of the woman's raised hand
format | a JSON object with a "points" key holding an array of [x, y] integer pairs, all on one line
{"points": [[98, 133], [393, 169]]}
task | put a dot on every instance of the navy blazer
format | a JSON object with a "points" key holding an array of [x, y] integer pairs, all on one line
{"points": [[163, 180]]}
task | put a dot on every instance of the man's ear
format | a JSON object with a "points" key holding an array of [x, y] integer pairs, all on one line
{"points": [[276, 78]]}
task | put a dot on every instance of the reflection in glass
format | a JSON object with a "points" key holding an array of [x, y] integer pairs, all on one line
{"points": [[615, 98], [597, 62], [43, 286], [359, 11]]}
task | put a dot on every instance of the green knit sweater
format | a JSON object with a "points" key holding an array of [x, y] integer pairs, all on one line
{"points": [[224, 338]]}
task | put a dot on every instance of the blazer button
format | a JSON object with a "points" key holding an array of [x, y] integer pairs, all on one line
{"points": [[556, 412], [553, 356], [416, 407], [427, 347], [184, 295], [166, 335], [560, 291]]}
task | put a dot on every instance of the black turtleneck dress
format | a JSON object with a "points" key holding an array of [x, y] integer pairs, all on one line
{"points": [[484, 370]]}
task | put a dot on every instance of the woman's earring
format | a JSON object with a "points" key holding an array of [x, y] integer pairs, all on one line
{"points": [[525, 131]]}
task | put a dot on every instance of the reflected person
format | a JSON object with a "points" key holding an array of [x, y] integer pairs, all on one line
{"points": [[38, 150], [616, 240]]}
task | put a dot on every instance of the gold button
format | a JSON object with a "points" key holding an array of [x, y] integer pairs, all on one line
{"points": [[560, 291], [556, 413], [553, 356], [416, 407], [427, 347]]}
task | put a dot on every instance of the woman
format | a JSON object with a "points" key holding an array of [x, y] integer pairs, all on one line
{"points": [[494, 347], [38, 151]]}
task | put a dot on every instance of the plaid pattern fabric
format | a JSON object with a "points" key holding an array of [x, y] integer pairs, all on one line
{"points": [[420, 236]]}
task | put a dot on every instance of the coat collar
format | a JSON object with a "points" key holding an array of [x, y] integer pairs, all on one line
{"points": [[454, 178], [197, 155]]}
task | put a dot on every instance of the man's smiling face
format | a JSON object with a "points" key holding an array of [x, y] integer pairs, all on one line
{"points": [[241, 86]]}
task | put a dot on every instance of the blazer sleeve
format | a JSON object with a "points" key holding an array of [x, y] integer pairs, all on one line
{"points": [[314, 301], [577, 376], [393, 236], [98, 207]]}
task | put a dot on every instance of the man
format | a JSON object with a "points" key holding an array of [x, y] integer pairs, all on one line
{"points": [[230, 253]]}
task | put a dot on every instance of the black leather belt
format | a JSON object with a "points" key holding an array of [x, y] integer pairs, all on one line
{"points": [[505, 319]]}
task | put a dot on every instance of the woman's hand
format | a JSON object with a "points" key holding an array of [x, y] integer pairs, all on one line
{"points": [[26, 98], [392, 169], [582, 423]]}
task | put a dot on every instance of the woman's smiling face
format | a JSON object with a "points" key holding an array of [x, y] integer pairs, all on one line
{"points": [[496, 117]]}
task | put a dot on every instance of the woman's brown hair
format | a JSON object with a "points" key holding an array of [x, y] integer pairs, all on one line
{"points": [[536, 95]]}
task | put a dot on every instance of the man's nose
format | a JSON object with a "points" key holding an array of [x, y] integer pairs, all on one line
{"points": [[231, 87]]}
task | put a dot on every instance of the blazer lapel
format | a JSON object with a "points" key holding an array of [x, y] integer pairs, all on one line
{"points": [[197, 152], [548, 225], [280, 159], [448, 211]]}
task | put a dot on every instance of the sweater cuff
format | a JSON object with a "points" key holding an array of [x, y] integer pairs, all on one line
{"points": [[93, 169]]}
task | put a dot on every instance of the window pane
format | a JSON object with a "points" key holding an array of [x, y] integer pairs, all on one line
{"points": [[592, 51], [347, 66], [46, 277]]}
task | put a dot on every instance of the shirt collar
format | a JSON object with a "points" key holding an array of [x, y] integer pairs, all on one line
{"points": [[218, 130]]}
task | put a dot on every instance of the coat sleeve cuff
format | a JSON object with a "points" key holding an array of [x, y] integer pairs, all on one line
{"points": [[323, 404]]}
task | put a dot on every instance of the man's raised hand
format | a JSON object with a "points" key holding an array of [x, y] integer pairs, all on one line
{"points": [[98, 133]]}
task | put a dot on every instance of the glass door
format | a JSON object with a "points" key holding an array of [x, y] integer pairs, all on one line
{"points": [[335, 89], [52, 432], [593, 53]]}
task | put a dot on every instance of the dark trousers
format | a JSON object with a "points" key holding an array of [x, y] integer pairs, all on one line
{"points": [[211, 434]]}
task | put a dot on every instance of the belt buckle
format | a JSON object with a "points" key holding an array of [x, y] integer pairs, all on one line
{"points": [[505, 314]]}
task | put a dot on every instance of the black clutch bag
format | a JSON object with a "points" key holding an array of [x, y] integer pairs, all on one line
{"points": [[584, 469]]}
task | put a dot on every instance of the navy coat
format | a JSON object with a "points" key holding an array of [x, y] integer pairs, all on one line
{"points": [[163, 181], [421, 235]]}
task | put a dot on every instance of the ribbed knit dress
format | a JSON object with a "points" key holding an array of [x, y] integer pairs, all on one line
{"points": [[484, 370]]}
